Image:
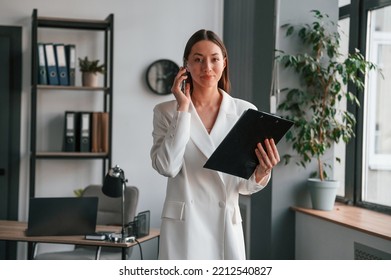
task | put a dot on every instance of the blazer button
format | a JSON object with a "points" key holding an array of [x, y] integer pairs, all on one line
{"points": [[222, 204]]}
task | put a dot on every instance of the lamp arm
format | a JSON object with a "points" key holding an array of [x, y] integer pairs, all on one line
{"points": [[124, 181], [123, 210]]}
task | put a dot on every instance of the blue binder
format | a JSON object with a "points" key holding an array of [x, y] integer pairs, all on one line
{"points": [[62, 69], [70, 53], [51, 64], [42, 74]]}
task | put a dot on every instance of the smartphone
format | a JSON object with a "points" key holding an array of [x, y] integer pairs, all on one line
{"points": [[184, 81], [184, 85]]}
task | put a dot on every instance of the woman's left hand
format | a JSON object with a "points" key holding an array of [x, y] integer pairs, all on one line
{"points": [[267, 159]]}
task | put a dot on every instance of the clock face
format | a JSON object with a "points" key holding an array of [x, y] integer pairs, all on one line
{"points": [[160, 76]]}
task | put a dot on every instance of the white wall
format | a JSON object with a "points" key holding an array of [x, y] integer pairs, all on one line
{"points": [[145, 30]]}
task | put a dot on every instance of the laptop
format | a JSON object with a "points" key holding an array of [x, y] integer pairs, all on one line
{"points": [[62, 216]]}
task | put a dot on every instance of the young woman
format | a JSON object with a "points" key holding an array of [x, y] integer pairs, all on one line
{"points": [[201, 217]]}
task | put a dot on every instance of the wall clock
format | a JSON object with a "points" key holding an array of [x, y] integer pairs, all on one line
{"points": [[160, 75]]}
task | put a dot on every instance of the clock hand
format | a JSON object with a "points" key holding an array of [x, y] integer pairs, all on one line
{"points": [[167, 75]]}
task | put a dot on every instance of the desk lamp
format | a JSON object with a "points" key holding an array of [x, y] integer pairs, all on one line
{"points": [[114, 186]]}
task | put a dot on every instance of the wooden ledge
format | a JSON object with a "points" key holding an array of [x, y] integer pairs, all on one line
{"points": [[356, 218]]}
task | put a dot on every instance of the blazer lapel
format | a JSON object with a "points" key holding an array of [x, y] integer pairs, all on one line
{"points": [[199, 135], [226, 118]]}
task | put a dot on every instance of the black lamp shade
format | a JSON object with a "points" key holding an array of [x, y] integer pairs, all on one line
{"points": [[112, 186]]}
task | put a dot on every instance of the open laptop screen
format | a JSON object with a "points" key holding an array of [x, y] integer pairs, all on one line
{"points": [[62, 216]]}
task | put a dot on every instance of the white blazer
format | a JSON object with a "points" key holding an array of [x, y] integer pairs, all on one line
{"points": [[200, 217]]}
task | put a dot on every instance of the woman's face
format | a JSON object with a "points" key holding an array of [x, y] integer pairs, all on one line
{"points": [[206, 64]]}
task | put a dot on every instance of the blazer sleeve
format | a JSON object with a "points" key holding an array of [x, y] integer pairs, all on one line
{"points": [[251, 186], [171, 132]]}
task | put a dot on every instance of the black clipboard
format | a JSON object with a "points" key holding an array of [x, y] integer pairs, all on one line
{"points": [[236, 153]]}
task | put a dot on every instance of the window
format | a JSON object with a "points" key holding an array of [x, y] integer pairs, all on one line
{"points": [[368, 158], [377, 114]]}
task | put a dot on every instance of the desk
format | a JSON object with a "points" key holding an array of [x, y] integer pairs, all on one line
{"points": [[16, 231]]}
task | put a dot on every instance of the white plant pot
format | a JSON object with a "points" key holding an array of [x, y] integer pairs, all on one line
{"points": [[323, 193], [89, 79]]}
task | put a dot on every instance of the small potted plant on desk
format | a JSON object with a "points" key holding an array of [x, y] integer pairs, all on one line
{"points": [[319, 122], [90, 70]]}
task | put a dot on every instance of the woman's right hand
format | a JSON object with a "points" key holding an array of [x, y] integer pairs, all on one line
{"points": [[183, 98]]}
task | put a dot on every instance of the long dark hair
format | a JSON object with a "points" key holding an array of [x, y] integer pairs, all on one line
{"points": [[208, 35]]}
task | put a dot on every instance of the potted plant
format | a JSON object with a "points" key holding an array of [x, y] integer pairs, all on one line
{"points": [[90, 70], [319, 122]]}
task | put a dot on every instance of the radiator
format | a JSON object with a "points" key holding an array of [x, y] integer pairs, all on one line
{"points": [[363, 252]]}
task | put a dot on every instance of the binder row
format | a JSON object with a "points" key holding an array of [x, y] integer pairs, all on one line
{"points": [[56, 64], [86, 132]]}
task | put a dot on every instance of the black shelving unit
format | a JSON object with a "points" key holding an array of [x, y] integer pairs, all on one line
{"points": [[106, 26]]}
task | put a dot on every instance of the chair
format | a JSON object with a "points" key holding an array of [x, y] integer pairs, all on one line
{"points": [[109, 213]]}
